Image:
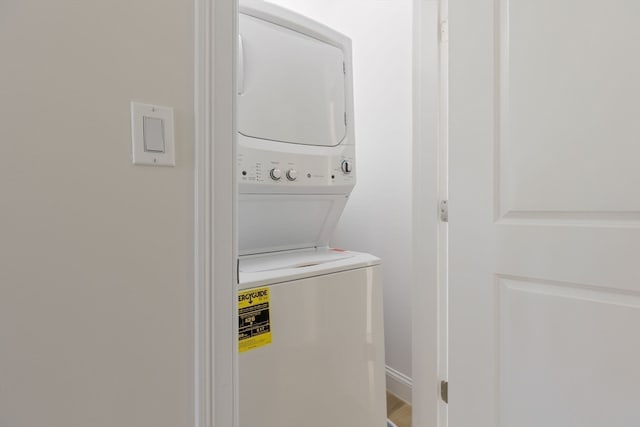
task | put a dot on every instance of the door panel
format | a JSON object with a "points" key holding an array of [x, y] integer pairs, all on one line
{"points": [[544, 213], [556, 343], [293, 86], [567, 93]]}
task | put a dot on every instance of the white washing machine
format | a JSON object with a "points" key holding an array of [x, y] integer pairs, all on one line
{"points": [[317, 356], [311, 340]]}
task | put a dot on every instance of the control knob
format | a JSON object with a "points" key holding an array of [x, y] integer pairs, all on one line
{"points": [[292, 174], [275, 174], [346, 167]]}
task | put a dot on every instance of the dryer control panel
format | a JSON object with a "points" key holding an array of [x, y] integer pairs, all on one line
{"points": [[271, 171]]}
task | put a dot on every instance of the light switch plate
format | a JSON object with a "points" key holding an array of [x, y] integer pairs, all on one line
{"points": [[147, 148]]}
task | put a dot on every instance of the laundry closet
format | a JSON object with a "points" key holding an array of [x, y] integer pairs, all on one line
{"points": [[297, 167]]}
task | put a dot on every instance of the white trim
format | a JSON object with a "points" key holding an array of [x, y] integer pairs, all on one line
{"points": [[215, 362], [399, 384], [202, 221], [443, 232], [215, 240], [429, 265]]}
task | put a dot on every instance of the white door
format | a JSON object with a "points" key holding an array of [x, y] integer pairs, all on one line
{"points": [[544, 214]]}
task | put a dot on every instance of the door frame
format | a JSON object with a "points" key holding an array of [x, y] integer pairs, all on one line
{"points": [[215, 367], [430, 172], [215, 362]]}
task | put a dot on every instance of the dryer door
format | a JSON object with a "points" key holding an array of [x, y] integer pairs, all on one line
{"points": [[291, 86]]}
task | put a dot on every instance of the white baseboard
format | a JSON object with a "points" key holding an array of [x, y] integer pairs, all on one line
{"points": [[399, 384]]}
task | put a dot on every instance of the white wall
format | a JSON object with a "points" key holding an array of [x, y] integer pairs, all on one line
{"points": [[96, 255], [378, 216]]}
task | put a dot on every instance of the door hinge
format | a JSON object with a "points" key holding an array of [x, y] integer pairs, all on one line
{"points": [[444, 31], [444, 211], [444, 391]]}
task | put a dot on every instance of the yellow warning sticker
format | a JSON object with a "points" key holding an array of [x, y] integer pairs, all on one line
{"points": [[254, 328]]}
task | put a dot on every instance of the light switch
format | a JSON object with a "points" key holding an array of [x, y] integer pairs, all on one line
{"points": [[152, 135]]}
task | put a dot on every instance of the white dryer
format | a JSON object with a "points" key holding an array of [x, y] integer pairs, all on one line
{"points": [[295, 153], [311, 339]]}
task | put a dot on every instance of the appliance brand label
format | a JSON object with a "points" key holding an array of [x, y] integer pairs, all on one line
{"points": [[254, 328]]}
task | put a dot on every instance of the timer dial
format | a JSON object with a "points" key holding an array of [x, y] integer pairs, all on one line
{"points": [[275, 174], [292, 174], [346, 167]]}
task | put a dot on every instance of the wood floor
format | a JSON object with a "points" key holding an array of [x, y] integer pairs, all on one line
{"points": [[398, 411]]}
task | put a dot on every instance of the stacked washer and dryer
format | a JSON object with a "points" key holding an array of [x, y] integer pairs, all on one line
{"points": [[311, 340]]}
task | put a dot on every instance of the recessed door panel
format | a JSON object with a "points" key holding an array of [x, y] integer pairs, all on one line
{"points": [[561, 364], [568, 92]]}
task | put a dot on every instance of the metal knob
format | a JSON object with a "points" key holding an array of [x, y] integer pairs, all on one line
{"points": [[346, 167], [275, 174], [292, 174]]}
